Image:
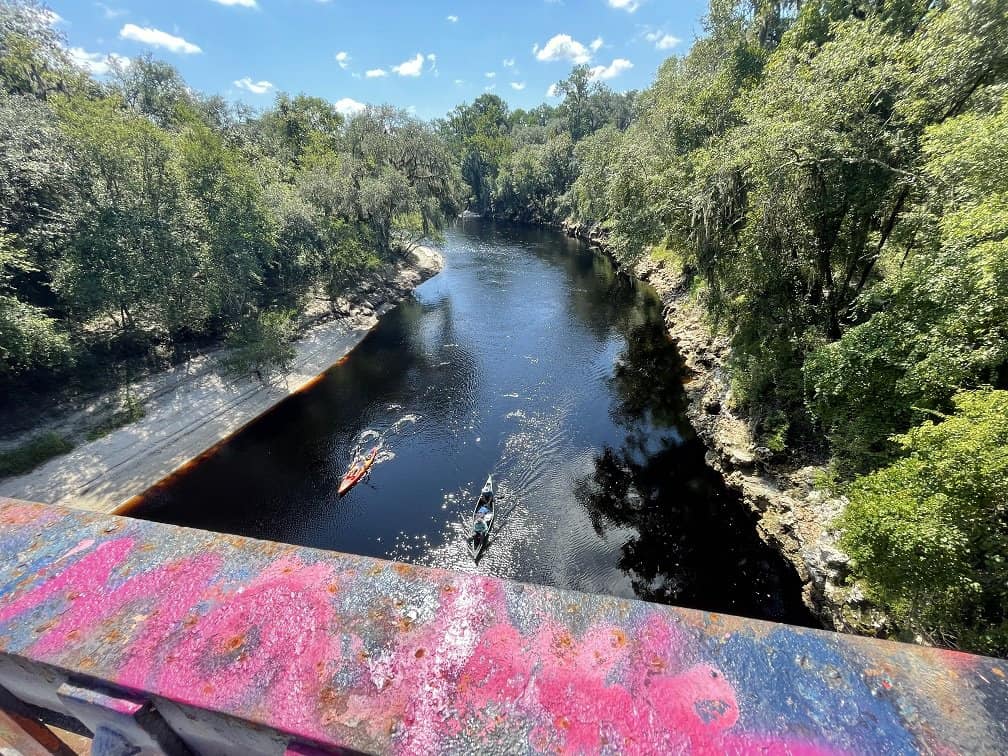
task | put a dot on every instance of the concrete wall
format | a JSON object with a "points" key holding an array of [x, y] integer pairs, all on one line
{"points": [[241, 646]]}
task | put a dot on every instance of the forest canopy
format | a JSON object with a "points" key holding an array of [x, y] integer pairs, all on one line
{"points": [[137, 214]]}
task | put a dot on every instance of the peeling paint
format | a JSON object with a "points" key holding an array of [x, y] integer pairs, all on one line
{"points": [[343, 651]]}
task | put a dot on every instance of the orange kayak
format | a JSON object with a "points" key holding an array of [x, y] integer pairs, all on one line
{"points": [[357, 470]]}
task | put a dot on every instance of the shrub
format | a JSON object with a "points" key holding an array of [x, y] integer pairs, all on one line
{"points": [[130, 411], [32, 453], [262, 346], [929, 532]]}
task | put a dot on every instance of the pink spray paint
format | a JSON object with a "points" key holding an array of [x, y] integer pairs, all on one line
{"points": [[269, 639]]}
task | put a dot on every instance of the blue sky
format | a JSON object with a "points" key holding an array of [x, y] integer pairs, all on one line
{"points": [[426, 56]]}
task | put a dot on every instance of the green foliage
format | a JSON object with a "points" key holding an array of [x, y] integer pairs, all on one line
{"points": [[396, 168], [32, 453], [137, 214], [233, 236], [832, 174], [35, 170], [533, 180], [262, 346], [477, 134], [33, 57], [299, 128], [29, 338], [590, 204], [929, 532], [519, 165], [132, 259], [588, 105], [785, 204], [940, 320], [37, 190], [155, 90]]}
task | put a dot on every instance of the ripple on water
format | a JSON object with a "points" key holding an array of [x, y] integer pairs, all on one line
{"points": [[528, 358]]}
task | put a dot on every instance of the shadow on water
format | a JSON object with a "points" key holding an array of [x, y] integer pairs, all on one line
{"points": [[529, 357], [658, 485]]}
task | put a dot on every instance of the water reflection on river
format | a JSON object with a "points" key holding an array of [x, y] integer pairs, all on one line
{"points": [[531, 358]]}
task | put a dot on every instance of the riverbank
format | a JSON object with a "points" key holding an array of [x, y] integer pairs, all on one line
{"points": [[793, 516], [189, 409]]}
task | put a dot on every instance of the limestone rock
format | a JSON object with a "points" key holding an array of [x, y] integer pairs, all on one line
{"points": [[794, 517]]}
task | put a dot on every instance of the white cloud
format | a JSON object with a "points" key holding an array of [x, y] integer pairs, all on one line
{"points": [[661, 40], [411, 67], [158, 38], [343, 58], [432, 59], [490, 74], [518, 85], [489, 87], [452, 19], [553, 91], [376, 73], [596, 44], [562, 47], [614, 69], [628, 5], [459, 82], [111, 12], [509, 62], [348, 106], [96, 64], [242, 3], [255, 87]]}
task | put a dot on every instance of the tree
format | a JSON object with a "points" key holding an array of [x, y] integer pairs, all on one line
{"points": [[154, 89], [398, 177], [797, 211], [230, 222], [38, 199], [30, 340], [589, 193], [297, 126], [136, 213], [133, 257], [589, 104], [262, 346], [533, 181], [33, 57], [939, 321], [929, 532], [478, 134]]}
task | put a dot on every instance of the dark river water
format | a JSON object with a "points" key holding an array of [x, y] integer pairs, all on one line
{"points": [[531, 358]]}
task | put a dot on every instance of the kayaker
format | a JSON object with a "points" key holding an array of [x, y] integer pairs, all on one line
{"points": [[479, 528]]}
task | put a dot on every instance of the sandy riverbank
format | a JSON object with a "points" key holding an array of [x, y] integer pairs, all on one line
{"points": [[190, 408]]}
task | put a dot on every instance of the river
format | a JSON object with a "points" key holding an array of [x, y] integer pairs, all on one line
{"points": [[529, 357]]}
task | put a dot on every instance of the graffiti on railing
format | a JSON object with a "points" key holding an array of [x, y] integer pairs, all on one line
{"points": [[347, 651]]}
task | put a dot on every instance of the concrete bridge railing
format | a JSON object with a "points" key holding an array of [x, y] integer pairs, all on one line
{"points": [[167, 639]]}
